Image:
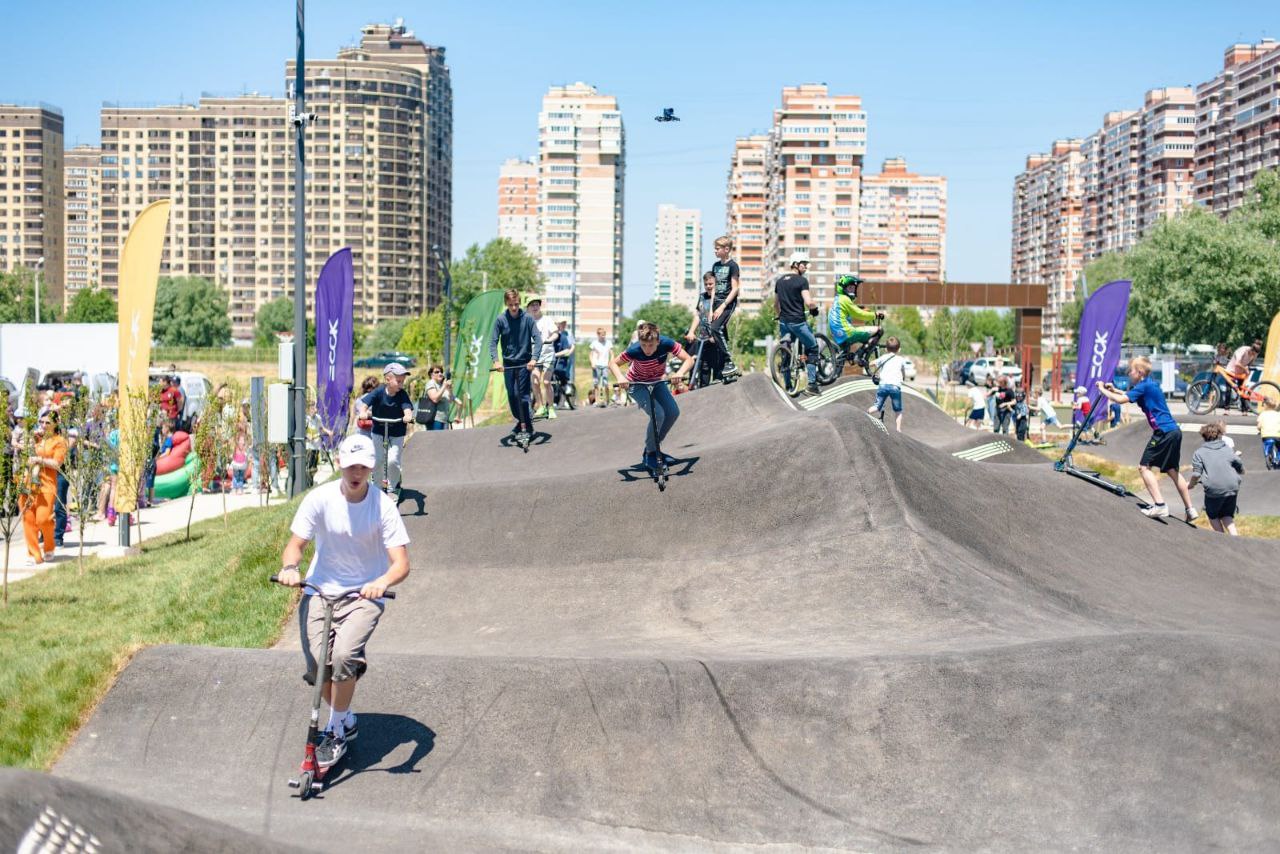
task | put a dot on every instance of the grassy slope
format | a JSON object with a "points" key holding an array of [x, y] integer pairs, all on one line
{"points": [[65, 638]]}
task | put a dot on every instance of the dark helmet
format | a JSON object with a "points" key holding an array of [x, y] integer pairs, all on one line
{"points": [[848, 284]]}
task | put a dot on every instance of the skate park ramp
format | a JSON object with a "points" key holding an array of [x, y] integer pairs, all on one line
{"points": [[822, 635]]}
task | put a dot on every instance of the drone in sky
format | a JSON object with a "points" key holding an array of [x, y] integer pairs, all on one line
{"points": [[668, 115]]}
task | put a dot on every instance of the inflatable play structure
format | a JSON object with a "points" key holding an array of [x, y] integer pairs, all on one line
{"points": [[176, 470]]}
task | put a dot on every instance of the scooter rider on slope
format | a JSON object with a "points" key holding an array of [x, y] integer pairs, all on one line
{"points": [[647, 359], [521, 342], [361, 543]]}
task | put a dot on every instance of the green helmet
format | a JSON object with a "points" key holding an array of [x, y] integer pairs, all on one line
{"points": [[848, 284]]}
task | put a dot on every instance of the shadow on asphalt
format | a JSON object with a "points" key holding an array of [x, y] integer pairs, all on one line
{"points": [[638, 472], [539, 438], [418, 498], [379, 736]]}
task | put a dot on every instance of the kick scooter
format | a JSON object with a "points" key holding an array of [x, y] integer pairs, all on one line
{"points": [[523, 437], [386, 453], [660, 471], [310, 779]]}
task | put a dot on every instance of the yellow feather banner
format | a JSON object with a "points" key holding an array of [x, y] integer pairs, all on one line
{"points": [[139, 273], [1271, 362]]}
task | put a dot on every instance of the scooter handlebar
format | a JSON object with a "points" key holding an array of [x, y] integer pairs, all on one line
{"points": [[346, 594]]}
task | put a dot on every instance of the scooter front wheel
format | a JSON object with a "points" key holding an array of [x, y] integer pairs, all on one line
{"points": [[305, 781]]}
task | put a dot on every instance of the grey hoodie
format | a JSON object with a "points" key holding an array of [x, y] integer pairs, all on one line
{"points": [[1218, 468]]}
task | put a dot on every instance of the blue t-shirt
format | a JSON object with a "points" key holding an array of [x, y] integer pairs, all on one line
{"points": [[1150, 399], [386, 406]]}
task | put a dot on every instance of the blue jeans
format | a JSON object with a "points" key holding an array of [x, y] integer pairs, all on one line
{"points": [[60, 510], [656, 399], [804, 335], [519, 393], [891, 392], [437, 425]]}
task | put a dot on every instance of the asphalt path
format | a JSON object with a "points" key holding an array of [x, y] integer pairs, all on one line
{"points": [[822, 634], [1260, 492]]}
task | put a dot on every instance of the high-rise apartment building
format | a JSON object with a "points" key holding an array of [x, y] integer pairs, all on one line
{"points": [[380, 161], [82, 170], [1237, 125], [816, 148], [518, 203], [225, 165], [903, 229], [379, 180], [745, 221], [677, 255], [1048, 243], [31, 194], [1166, 184], [581, 165]]}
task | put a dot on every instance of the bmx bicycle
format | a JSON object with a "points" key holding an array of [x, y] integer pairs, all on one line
{"points": [[386, 453], [563, 392], [787, 364], [1222, 389], [311, 777], [708, 367], [832, 357]]}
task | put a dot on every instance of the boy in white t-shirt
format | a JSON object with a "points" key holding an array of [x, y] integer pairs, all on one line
{"points": [[1048, 415], [977, 407], [891, 369], [361, 544], [600, 356]]}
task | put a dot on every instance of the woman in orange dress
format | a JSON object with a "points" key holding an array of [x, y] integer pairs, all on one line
{"points": [[37, 511]]}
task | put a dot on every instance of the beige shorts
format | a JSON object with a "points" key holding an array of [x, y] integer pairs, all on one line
{"points": [[353, 623]]}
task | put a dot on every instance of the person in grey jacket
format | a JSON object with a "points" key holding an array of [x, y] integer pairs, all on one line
{"points": [[1216, 466], [517, 333]]}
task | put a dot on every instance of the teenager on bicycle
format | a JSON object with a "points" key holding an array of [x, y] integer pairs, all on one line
{"points": [[852, 324], [792, 297], [648, 364], [713, 361], [1237, 368], [361, 543], [521, 342]]}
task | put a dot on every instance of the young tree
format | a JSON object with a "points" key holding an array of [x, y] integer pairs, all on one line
{"points": [[424, 335], [500, 264], [386, 334], [14, 487], [672, 320], [87, 460]]}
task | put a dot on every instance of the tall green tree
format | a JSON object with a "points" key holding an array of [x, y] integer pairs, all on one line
{"points": [[273, 317], [92, 305], [500, 263], [386, 334], [191, 312], [672, 320], [745, 329], [423, 336], [17, 298]]}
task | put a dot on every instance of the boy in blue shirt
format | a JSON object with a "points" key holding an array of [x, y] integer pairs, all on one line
{"points": [[1163, 453]]}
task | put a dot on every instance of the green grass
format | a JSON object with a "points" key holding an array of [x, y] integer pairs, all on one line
{"points": [[66, 637]]}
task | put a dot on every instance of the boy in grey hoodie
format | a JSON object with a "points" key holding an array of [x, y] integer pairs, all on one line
{"points": [[1216, 465]]}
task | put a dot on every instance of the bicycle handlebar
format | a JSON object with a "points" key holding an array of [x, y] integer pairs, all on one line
{"points": [[353, 593], [386, 420]]}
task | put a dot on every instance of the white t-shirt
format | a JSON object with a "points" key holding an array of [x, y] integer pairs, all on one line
{"points": [[978, 395], [1046, 407], [1237, 364], [599, 353], [892, 368], [547, 329], [351, 539]]}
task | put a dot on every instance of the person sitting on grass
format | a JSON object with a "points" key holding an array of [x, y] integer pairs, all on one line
{"points": [[1216, 465], [1163, 453]]}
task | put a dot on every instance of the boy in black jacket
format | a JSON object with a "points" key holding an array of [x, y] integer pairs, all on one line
{"points": [[517, 332]]}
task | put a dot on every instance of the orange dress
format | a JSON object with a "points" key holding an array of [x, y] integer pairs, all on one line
{"points": [[37, 511]]}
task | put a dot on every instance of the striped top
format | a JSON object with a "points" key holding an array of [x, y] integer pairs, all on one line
{"points": [[647, 369]]}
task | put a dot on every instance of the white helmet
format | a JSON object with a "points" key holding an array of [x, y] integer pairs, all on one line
{"points": [[799, 257]]}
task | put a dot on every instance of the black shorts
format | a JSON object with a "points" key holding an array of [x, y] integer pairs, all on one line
{"points": [[1220, 506], [1164, 451]]}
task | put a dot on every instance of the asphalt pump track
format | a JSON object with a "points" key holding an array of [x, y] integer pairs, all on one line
{"points": [[823, 634]]}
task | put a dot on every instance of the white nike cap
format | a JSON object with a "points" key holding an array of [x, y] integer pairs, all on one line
{"points": [[356, 450]]}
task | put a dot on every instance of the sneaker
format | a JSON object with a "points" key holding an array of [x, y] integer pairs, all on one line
{"points": [[650, 460], [349, 728], [331, 750], [731, 371], [668, 459], [551, 413], [1156, 511], [812, 390], [1192, 515]]}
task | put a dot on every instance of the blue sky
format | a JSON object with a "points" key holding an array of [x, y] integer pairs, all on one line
{"points": [[965, 90]]}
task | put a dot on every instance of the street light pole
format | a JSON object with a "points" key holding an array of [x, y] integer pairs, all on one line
{"points": [[446, 284], [39, 266], [298, 411]]}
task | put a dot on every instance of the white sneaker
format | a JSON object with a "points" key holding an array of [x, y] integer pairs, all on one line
{"points": [[1157, 511], [1192, 514]]}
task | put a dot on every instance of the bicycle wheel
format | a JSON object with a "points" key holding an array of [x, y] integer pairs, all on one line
{"points": [[787, 370], [570, 392], [1202, 397], [1266, 391], [830, 365]]}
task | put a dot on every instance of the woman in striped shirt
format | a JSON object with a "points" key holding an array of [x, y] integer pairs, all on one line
{"points": [[648, 360]]}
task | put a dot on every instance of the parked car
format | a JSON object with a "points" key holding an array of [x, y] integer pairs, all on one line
{"points": [[986, 364], [908, 369], [960, 371], [381, 360]]}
